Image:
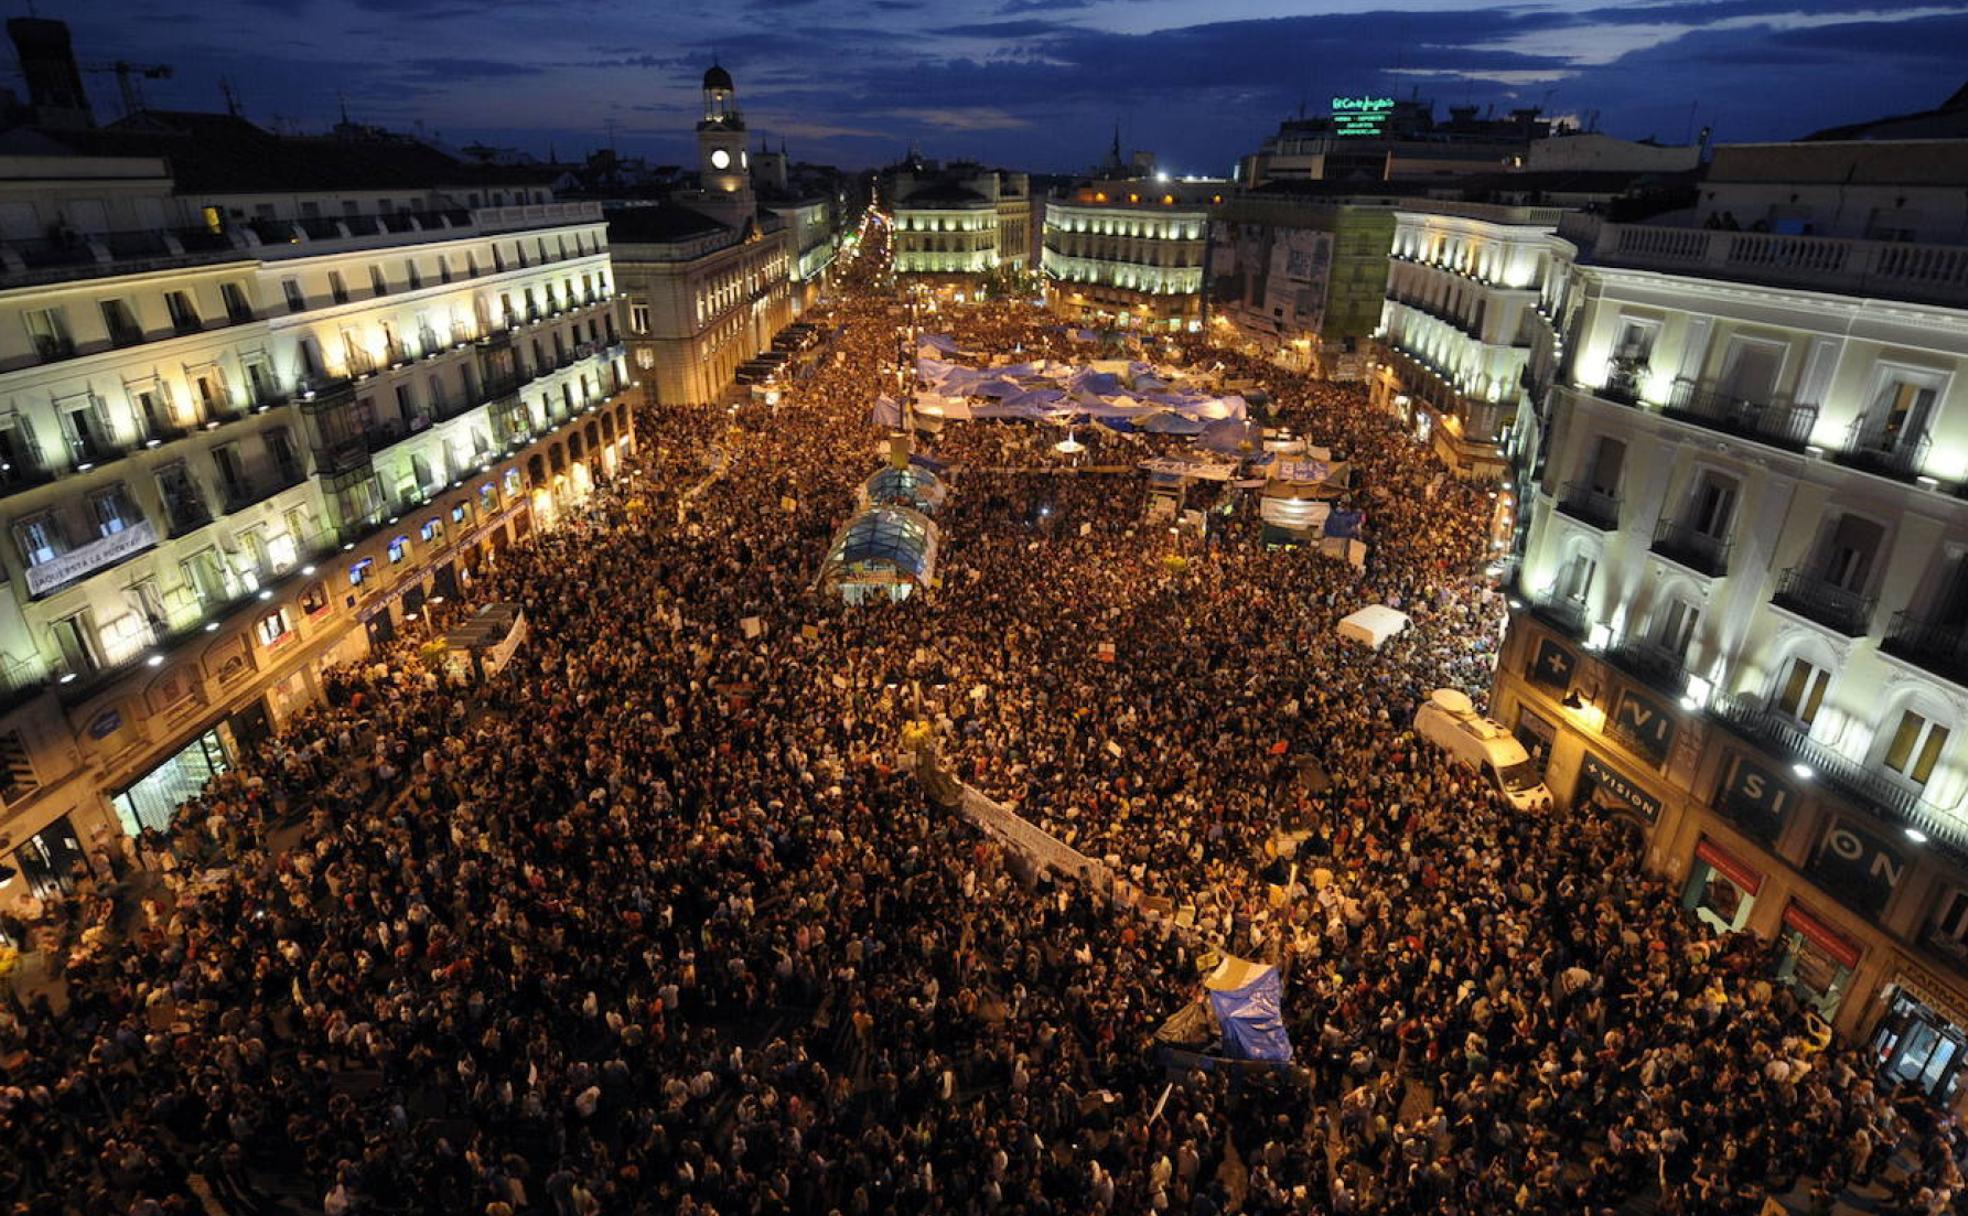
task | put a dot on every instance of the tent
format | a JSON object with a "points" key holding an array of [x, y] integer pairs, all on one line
{"points": [[1373, 625], [1247, 999]]}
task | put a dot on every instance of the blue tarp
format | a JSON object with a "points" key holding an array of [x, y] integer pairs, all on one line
{"points": [[1174, 424], [1251, 1015], [886, 413], [1344, 523], [927, 462], [1232, 435]]}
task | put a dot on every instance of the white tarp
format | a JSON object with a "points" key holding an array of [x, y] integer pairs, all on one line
{"points": [[1373, 625]]}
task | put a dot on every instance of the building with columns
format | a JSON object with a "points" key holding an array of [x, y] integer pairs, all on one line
{"points": [[1743, 595], [1130, 251], [252, 420], [709, 275]]}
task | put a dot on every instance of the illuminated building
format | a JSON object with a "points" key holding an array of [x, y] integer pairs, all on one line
{"points": [[709, 277], [954, 223], [1464, 283], [1130, 251], [260, 407], [1744, 587]]}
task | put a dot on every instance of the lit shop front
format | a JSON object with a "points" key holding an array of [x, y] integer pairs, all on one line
{"points": [[1721, 888]]}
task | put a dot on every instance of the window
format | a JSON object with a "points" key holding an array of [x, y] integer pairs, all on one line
{"points": [[411, 274], [431, 531], [638, 316], [1802, 691], [1849, 551], [1575, 583], [112, 511], [378, 285], [314, 597], [399, 549], [121, 323], [1899, 416], [47, 328], [1915, 746], [184, 316], [337, 287], [1677, 627], [17, 777], [296, 300], [273, 628], [359, 571], [512, 483], [237, 308], [40, 539], [1714, 506], [458, 514], [1607, 460]]}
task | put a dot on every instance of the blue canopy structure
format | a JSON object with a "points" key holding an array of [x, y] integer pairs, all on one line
{"points": [[1248, 1000], [912, 487], [885, 550]]}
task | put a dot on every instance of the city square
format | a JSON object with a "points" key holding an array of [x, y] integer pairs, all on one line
{"points": [[1422, 676]]}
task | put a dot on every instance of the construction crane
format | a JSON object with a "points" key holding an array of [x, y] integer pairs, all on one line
{"points": [[127, 75]]}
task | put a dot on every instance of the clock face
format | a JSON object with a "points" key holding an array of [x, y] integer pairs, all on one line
{"points": [[720, 159]]}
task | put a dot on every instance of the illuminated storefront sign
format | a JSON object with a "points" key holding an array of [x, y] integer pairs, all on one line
{"points": [[1361, 115]]}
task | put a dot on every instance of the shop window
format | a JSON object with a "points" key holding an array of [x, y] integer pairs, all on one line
{"points": [[458, 514], [399, 548], [1815, 959], [512, 483], [359, 572], [272, 628], [1920, 1046], [1721, 889], [314, 597], [432, 530]]}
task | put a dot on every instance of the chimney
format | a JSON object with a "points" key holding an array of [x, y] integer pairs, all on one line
{"points": [[54, 82]]}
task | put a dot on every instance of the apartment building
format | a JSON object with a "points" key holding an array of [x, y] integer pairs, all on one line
{"points": [[955, 222], [1464, 281], [1130, 251], [247, 427], [1743, 615]]}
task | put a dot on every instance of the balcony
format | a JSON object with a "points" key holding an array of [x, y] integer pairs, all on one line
{"points": [[1651, 663], [1590, 506], [1624, 375], [185, 515], [99, 554], [1784, 426], [248, 491], [1874, 788], [18, 475], [88, 451], [1875, 449], [1824, 602], [1691, 547], [1893, 270], [186, 323], [1939, 647], [125, 334], [51, 347], [1567, 616]]}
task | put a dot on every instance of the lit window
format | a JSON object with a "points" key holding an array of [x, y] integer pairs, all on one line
{"points": [[272, 628], [398, 548], [314, 598], [512, 483], [431, 530], [458, 514], [360, 571]]}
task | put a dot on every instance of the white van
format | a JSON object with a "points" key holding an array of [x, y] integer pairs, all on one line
{"points": [[1449, 720]]}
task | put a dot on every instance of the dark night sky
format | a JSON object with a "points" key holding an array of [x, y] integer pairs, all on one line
{"points": [[1026, 83]]}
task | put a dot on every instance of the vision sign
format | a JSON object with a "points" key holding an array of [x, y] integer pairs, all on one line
{"points": [[1361, 115], [1857, 866]]}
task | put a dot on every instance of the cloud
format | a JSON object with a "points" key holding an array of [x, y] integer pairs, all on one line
{"points": [[964, 118], [1002, 29], [439, 70]]}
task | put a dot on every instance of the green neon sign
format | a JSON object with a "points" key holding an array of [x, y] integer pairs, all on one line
{"points": [[1361, 115]]}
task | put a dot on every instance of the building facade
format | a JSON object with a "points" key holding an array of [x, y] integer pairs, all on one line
{"points": [[244, 437], [956, 222], [1464, 281], [1742, 614], [1130, 252], [1300, 279], [709, 279]]}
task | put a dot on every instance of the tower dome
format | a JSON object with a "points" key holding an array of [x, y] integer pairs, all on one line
{"points": [[718, 78]]}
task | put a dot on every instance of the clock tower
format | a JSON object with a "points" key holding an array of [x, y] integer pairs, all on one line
{"points": [[723, 164]]}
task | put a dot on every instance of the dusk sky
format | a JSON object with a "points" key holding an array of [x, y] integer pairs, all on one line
{"points": [[1032, 84]]}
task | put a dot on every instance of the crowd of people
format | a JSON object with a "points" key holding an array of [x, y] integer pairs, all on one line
{"points": [[658, 920]]}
